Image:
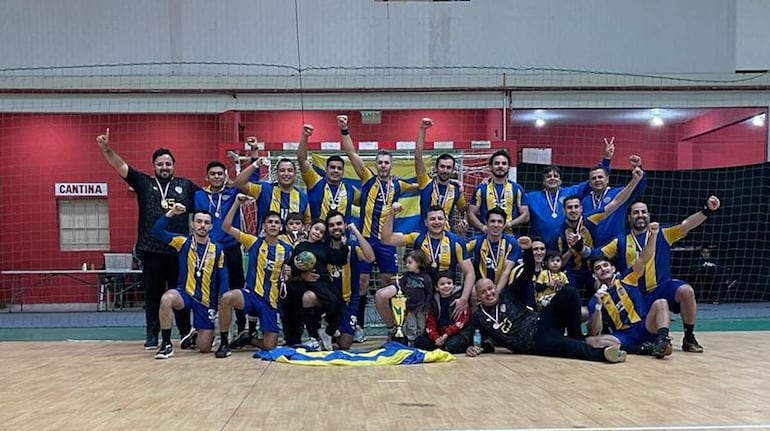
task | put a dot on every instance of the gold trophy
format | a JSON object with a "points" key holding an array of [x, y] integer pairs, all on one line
{"points": [[398, 307]]}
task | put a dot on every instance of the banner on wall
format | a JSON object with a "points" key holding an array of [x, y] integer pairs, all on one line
{"points": [[408, 220]]}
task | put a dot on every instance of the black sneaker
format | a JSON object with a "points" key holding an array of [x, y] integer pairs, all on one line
{"points": [[189, 341], [647, 348], [690, 344], [166, 351], [662, 347], [242, 340], [151, 343], [223, 351]]}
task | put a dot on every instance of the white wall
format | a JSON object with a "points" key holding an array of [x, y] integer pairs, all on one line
{"points": [[752, 35], [651, 36]]}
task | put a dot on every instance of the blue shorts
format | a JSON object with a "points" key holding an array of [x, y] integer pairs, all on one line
{"points": [[350, 317], [584, 282], [635, 335], [255, 305], [384, 255], [203, 316], [666, 290]]}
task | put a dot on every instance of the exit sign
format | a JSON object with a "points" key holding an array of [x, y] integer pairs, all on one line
{"points": [[371, 117]]}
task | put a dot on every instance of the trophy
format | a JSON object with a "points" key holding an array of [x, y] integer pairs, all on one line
{"points": [[398, 307]]}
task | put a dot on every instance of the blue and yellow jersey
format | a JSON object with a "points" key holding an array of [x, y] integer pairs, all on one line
{"points": [[447, 196], [614, 224], [377, 195], [324, 196], [587, 231], [270, 197], [346, 277], [266, 261], [447, 251], [623, 305], [546, 210], [625, 249], [489, 258], [218, 204], [207, 259], [508, 196], [543, 290]]}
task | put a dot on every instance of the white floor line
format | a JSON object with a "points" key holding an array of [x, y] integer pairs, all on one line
{"points": [[639, 428]]}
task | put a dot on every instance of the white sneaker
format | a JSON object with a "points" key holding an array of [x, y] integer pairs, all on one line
{"points": [[359, 335], [325, 339], [311, 344]]}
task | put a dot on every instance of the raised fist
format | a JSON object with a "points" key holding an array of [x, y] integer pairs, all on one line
{"points": [[396, 208], [654, 227], [242, 197], [637, 172], [635, 160], [178, 209], [525, 242], [307, 129], [426, 123], [251, 141], [713, 203], [342, 120]]}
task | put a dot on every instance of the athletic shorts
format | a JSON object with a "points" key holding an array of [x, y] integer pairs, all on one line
{"points": [[350, 318], [203, 316], [385, 256], [666, 290], [255, 305], [635, 335]]}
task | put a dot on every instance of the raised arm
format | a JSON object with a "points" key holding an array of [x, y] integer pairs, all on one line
{"points": [[366, 248], [636, 176], [648, 251], [113, 159], [388, 236], [304, 164], [159, 227], [419, 147], [349, 149], [227, 223], [697, 219]]}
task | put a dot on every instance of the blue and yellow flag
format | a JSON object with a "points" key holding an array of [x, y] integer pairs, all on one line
{"points": [[408, 220], [391, 353]]}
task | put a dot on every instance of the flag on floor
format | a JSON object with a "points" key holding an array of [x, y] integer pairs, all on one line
{"points": [[391, 353]]}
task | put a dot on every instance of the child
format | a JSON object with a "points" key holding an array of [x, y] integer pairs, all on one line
{"points": [[293, 233], [441, 329], [550, 281], [319, 282], [417, 286]]}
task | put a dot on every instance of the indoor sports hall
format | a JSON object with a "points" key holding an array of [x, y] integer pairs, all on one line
{"points": [[682, 85]]}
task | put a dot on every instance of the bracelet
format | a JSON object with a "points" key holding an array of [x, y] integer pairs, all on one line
{"points": [[708, 212], [344, 132]]}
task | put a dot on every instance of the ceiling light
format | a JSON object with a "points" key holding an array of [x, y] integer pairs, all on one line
{"points": [[656, 121], [539, 122], [758, 120]]}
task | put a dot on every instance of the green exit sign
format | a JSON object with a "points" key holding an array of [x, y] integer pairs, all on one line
{"points": [[371, 117]]}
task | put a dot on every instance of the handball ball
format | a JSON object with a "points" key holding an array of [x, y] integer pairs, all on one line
{"points": [[305, 261]]}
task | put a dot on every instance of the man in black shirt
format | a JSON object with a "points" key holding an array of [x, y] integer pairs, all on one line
{"points": [[155, 195], [510, 324]]}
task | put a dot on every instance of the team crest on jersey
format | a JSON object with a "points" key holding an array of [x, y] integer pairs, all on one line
{"points": [[178, 189], [225, 197], [444, 248], [607, 200]]}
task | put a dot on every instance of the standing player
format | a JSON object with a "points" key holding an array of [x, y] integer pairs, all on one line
{"points": [[202, 278], [447, 252], [155, 195], [327, 193], [499, 192], [378, 192], [267, 256], [658, 281], [494, 253], [439, 190], [546, 206]]}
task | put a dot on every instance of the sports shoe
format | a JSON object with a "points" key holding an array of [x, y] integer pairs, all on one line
{"points": [[223, 351], [647, 348], [613, 354], [359, 335], [325, 340], [242, 340], [690, 344], [662, 347], [189, 341], [311, 344], [166, 351], [151, 343]]}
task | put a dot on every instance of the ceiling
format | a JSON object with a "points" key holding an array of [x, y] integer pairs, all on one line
{"points": [[605, 116]]}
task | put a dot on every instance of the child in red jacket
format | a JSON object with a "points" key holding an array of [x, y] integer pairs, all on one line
{"points": [[441, 328]]}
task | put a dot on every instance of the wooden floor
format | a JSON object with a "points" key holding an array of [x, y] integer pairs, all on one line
{"points": [[119, 386]]}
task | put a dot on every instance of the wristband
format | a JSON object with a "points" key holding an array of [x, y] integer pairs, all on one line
{"points": [[344, 132], [708, 212], [578, 246], [255, 164], [598, 306]]}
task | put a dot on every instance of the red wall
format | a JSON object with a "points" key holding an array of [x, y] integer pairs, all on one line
{"points": [[38, 150]]}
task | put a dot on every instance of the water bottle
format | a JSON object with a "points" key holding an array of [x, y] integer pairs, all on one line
{"points": [[477, 338]]}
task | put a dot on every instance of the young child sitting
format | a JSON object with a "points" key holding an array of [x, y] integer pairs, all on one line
{"points": [[550, 281], [293, 233], [417, 286], [441, 328]]}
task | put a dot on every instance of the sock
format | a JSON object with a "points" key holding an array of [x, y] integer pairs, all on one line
{"points": [[166, 334], [361, 310], [252, 326], [688, 330], [662, 333], [223, 338]]}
